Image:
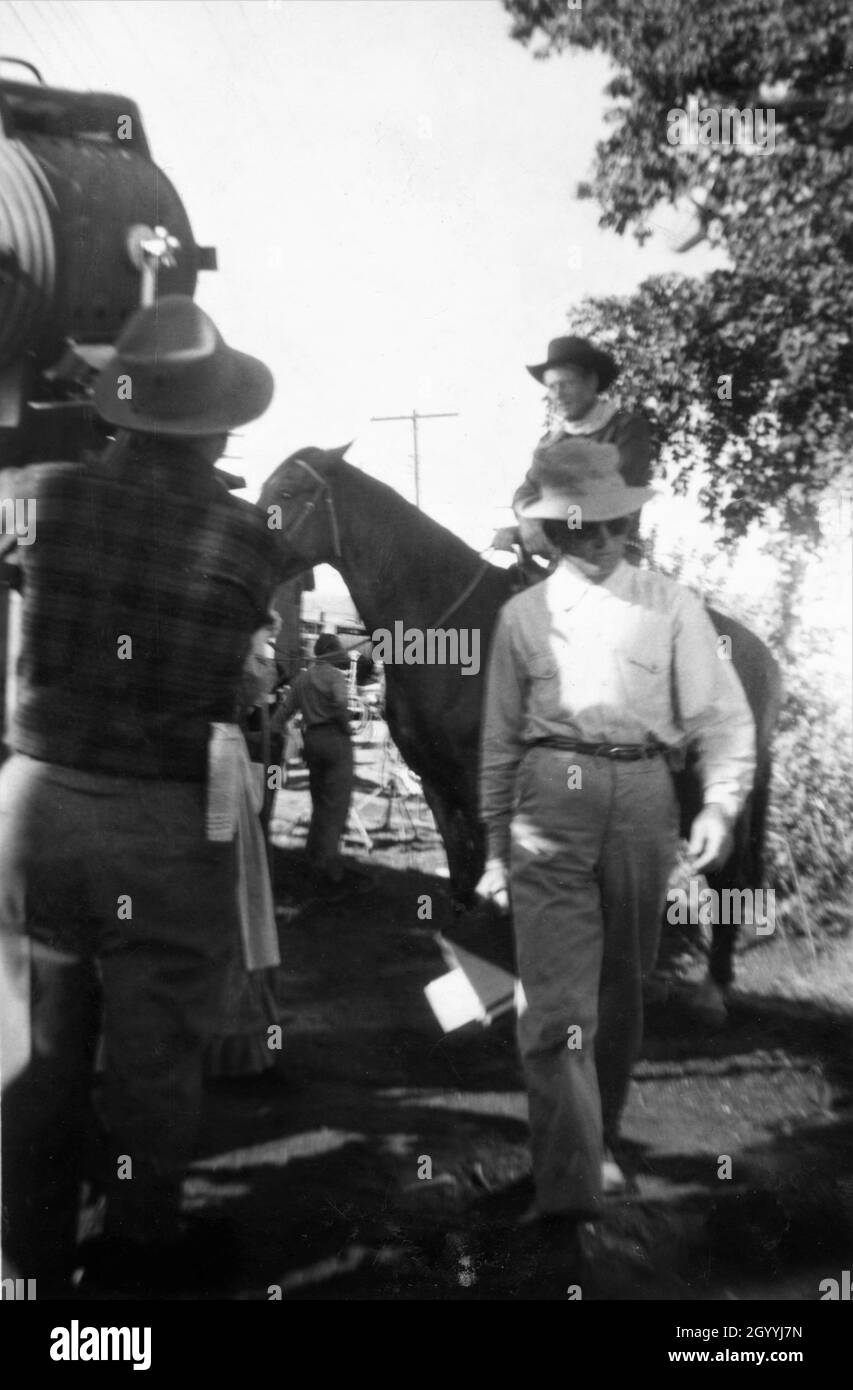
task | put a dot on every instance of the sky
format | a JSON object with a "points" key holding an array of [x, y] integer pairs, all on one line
{"points": [[390, 185]]}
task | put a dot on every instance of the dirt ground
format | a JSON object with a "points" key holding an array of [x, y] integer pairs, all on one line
{"points": [[317, 1164]]}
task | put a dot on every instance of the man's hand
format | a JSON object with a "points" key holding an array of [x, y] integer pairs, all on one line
{"points": [[494, 884], [711, 840]]}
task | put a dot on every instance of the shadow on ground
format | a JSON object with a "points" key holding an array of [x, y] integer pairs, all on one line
{"points": [[383, 1160]]}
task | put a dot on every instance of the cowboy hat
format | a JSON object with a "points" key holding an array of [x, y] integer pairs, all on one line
{"points": [[589, 480], [578, 352], [173, 373]]}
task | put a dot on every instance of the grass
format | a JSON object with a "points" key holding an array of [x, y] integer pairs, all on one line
{"points": [[787, 969]]}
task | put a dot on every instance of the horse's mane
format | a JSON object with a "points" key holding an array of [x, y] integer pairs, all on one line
{"points": [[398, 523]]}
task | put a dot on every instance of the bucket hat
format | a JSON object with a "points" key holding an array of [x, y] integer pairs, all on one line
{"points": [[590, 481]]}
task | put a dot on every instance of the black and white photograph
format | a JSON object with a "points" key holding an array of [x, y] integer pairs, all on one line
{"points": [[426, 626]]}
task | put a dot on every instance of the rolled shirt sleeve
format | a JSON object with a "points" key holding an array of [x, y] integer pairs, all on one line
{"points": [[501, 742], [712, 709]]}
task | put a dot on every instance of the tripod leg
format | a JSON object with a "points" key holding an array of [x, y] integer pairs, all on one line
{"points": [[360, 829], [405, 816]]}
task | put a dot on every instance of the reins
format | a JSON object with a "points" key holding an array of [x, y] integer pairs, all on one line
{"points": [[466, 594]]}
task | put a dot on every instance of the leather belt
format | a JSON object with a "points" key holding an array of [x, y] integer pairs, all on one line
{"points": [[620, 752]]}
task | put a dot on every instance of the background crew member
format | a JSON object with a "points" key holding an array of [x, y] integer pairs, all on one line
{"points": [[321, 694]]}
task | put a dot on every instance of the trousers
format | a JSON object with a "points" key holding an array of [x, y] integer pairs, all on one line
{"points": [[116, 916], [593, 842], [328, 753]]}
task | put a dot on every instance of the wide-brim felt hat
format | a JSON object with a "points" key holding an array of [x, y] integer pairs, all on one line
{"points": [[173, 373], [591, 483], [578, 352]]}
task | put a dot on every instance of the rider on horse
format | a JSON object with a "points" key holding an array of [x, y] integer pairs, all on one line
{"points": [[575, 373]]}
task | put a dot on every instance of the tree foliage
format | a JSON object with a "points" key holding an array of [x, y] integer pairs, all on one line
{"points": [[777, 318]]}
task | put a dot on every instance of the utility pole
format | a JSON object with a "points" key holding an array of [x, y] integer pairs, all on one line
{"points": [[415, 417]]}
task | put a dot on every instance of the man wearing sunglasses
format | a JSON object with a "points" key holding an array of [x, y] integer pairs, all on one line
{"points": [[594, 675]]}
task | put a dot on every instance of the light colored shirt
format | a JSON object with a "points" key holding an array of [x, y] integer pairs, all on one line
{"points": [[631, 660]]}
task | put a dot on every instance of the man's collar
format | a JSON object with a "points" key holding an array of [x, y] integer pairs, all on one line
{"points": [[568, 585], [140, 455], [595, 419]]}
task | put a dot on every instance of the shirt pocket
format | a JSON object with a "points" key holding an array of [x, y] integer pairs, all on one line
{"points": [[544, 687], [644, 662], [542, 668], [651, 659]]}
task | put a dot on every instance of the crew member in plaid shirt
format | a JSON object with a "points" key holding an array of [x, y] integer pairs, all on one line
{"points": [[140, 594]]}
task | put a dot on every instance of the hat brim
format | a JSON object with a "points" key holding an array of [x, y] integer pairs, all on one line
{"points": [[246, 395], [605, 369], [555, 506], [538, 373]]}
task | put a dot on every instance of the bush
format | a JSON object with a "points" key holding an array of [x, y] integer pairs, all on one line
{"points": [[811, 808], [810, 825]]}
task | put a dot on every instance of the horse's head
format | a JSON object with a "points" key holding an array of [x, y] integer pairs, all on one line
{"points": [[298, 500]]}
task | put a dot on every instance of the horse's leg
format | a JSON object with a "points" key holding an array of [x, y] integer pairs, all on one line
{"points": [[744, 869], [761, 680], [462, 837], [708, 999], [736, 873]]}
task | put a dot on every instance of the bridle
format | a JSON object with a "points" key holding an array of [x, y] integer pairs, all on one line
{"points": [[309, 506], [325, 492]]}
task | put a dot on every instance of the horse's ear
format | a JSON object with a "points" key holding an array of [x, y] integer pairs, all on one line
{"points": [[340, 453]]}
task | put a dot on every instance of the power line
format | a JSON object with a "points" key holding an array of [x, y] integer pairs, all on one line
{"points": [[415, 417], [38, 49], [89, 43]]}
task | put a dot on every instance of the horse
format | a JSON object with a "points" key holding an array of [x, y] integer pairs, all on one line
{"points": [[400, 566]]}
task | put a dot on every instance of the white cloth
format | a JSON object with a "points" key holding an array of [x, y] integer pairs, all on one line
{"points": [[235, 794], [595, 419]]}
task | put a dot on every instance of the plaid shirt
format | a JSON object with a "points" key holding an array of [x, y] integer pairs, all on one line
{"points": [[140, 591]]}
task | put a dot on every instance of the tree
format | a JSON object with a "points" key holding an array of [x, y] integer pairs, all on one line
{"points": [[776, 320]]}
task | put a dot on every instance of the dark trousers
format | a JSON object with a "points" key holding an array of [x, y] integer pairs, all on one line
{"points": [[328, 753], [115, 912]]}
